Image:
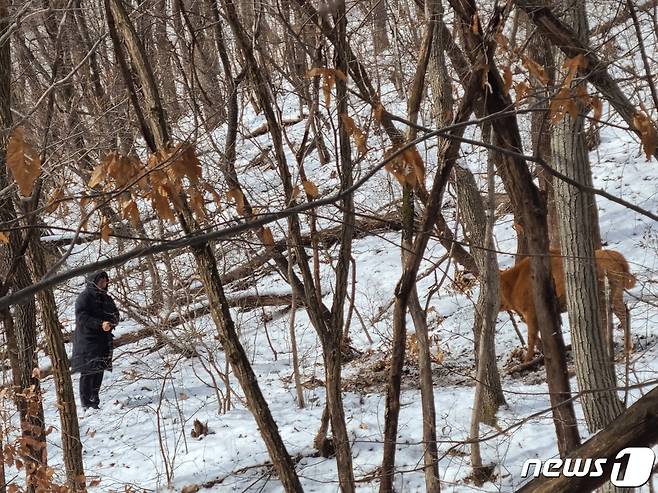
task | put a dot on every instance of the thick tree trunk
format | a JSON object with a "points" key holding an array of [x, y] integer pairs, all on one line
{"points": [[70, 432], [594, 367], [14, 272], [486, 310]]}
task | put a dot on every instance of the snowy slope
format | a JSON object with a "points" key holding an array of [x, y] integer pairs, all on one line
{"points": [[151, 399]]}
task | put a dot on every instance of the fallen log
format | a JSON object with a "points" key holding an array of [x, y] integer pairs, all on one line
{"points": [[635, 427], [536, 361], [264, 128]]}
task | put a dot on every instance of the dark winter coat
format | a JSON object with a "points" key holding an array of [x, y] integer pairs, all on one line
{"points": [[92, 346]]}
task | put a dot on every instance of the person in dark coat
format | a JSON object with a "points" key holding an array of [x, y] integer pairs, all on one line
{"points": [[95, 317]]}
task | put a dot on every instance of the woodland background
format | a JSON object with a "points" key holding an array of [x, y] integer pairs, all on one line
{"points": [[303, 207]]}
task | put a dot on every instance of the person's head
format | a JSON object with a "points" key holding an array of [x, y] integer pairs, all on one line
{"points": [[102, 282], [99, 280]]}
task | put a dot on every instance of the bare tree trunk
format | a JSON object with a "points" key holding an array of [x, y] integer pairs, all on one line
{"points": [[155, 121], [70, 434], [486, 310], [380, 25], [594, 368], [540, 51], [487, 398], [15, 274]]}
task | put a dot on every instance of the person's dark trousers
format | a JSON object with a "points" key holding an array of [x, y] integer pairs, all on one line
{"points": [[90, 385]]}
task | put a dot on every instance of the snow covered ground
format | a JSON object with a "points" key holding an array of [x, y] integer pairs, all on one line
{"points": [[141, 435]]}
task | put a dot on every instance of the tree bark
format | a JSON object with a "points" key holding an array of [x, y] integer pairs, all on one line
{"points": [[70, 432], [486, 310], [22, 327]]}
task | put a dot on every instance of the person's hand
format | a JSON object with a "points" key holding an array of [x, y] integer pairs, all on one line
{"points": [[107, 326]]}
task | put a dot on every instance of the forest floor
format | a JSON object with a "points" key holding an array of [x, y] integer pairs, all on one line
{"points": [[140, 439]]}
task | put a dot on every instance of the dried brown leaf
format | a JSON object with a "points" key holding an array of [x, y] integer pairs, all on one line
{"points": [[160, 203], [329, 76], [536, 70], [507, 77], [311, 189], [55, 200], [648, 134], [98, 174], [573, 65], [597, 105], [356, 133], [267, 237], [235, 194], [521, 89], [105, 232], [4, 239], [129, 211], [23, 162]]}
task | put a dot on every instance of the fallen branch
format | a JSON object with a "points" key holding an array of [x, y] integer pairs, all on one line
{"points": [[636, 427], [154, 329], [532, 363], [264, 128]]}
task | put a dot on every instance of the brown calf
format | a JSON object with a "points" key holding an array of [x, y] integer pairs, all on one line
{"points": [[516, 288]]}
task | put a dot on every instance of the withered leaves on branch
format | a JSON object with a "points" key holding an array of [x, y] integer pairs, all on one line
{"points": [[23, 162], [235, 194], [356, 133], [267, 237], [329, 76], [311, 189]]}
